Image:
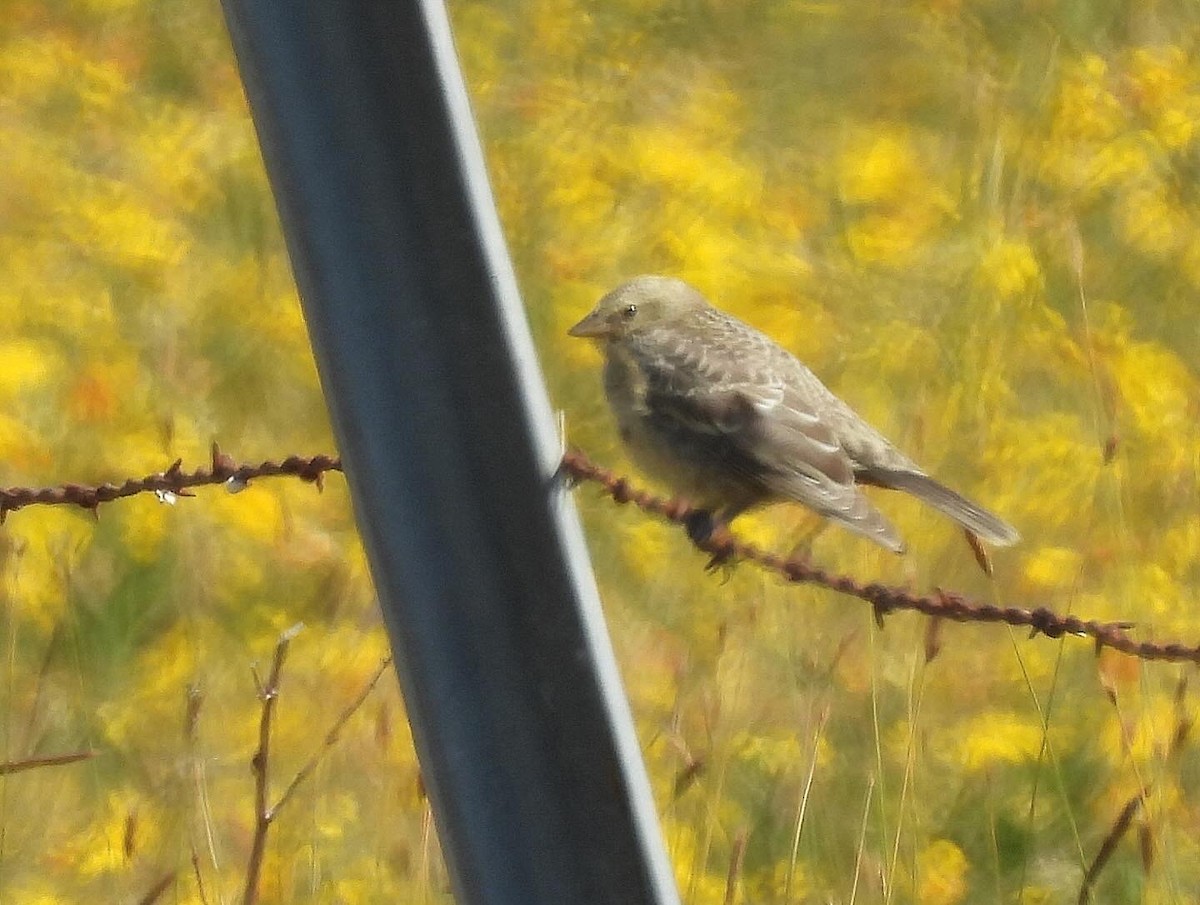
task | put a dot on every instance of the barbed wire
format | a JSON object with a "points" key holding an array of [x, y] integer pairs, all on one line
{"points": [[166, 485], [884, 599], [724, 547]]}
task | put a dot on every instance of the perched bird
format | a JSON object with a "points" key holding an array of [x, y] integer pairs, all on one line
{"points": [[731, 420]]}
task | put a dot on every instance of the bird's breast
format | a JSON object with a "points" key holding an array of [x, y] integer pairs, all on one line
{"points": [[624, 383], [691, 462]]}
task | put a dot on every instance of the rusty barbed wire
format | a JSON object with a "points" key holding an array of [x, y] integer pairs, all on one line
{"points": [[176, 482], [884, 599]]}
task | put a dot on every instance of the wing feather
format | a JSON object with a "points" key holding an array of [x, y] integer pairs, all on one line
{"points": [[767, 432]]}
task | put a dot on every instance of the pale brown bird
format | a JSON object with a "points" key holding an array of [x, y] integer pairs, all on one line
{"points": [[731, 420]]}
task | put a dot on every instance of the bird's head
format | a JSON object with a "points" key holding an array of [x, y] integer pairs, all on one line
{"points": [[643, 302]]}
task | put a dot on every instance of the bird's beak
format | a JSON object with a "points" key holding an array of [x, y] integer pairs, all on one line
{"points": [[592, 327]]}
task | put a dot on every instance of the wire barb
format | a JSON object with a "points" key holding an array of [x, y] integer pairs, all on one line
{"points": [[940, 604], [170, 484]]}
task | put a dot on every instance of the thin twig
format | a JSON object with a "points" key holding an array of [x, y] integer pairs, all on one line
{"points": [[268, 693], [199, 875], [50, 760], [265, 813], [155, 892], [737, 860], [862, 839], [802, 806], [1115, 834], [331, 737]]}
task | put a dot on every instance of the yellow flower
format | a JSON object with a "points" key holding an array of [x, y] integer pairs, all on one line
{"points": [[702, 248], [584, 199], [779, 753], [336, 814], [1158, 390], [684, 164], [648, 545], [883, 239], [1144, 737], [902, 203], [942, 874], [1086, 109], [21, 449], [36, 68], [1180, 546], [254, 513], [1158, 75], [1089, 167], [1053, 569], [703, 886], [1161, 80], [1150, 223], [171, 151], [25, 364], [1176, 127], [560, 29], [1010, 270], [1057, 458], [999, 738], [125, 826], [111, 219], [47, 544], [878, 168], [145, 522]]}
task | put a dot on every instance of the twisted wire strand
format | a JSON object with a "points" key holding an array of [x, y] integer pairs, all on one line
{"points": [[577, 467]]}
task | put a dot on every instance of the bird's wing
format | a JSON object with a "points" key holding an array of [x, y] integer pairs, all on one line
{"points": [[736, 395]]}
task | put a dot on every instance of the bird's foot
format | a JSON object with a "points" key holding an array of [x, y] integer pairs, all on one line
{"points": [[702, 527], [721, 564]]}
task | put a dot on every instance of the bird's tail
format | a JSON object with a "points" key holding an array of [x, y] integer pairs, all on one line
{"points": [[970, 515]]}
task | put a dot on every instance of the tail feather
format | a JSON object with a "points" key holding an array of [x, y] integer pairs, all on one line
{"points": [[970, 515], [863, 518], [844, 503]]}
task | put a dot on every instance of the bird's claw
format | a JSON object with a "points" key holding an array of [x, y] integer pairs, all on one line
{"points": [[722, 563], [700, 525]]}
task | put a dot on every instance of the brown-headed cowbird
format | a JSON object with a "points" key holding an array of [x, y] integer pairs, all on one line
{"points": [[729, 419]]}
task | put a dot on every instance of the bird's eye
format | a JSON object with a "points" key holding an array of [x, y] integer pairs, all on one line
{"points": [[629, 312]]}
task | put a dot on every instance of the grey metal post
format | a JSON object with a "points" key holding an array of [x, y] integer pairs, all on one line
{"points": [[522, 729]]}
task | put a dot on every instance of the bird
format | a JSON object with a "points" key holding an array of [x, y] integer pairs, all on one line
{"points": [[730, 420]]}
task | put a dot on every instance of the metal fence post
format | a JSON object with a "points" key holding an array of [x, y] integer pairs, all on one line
{"points": [[523, 732]]}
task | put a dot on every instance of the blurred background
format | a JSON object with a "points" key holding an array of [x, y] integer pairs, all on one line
{"points": [[976, 221]]}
